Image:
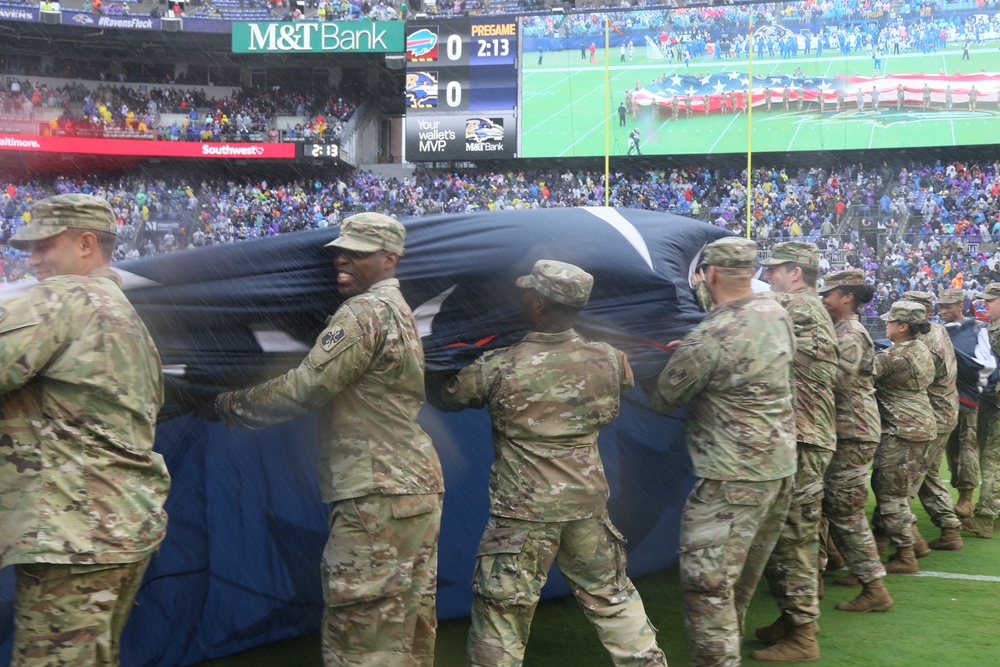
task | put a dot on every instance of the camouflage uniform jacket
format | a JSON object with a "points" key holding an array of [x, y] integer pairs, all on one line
{"points": [[548, 397], [857, 410], [815, 366], [365, 373], [735, 371], [80, 388], [902, 375], [943, 391], [993, 333]]}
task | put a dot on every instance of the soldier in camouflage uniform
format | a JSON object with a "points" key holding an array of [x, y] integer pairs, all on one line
{"points": [[988, 508], [976, 364], [81, 489], [902, 375], [793, 570], [734, 371], [377, 467], [548, 397], [943, 394], [844, 293]]}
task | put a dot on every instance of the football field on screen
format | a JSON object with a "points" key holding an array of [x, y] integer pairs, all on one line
{"points": [[564, 110]]}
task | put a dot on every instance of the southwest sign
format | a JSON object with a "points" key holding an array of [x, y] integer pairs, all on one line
{"points": [[146, 148], [319, 37]]}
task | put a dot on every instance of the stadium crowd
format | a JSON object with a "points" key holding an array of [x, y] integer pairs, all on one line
{"points": [[858, 23], [696, 15], [925, 217], [89, 109]]}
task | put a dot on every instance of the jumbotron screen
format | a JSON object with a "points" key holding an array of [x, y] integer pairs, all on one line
{"points": [[461, 89], [680, 80]]}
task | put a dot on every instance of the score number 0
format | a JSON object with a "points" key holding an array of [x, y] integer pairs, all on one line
{"points": [[453, 91]]}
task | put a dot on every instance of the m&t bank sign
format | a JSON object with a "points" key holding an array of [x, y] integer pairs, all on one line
{"points": [[319, 37]]}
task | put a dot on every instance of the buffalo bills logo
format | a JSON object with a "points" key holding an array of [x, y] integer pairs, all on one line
{"points": [[422, 46]]}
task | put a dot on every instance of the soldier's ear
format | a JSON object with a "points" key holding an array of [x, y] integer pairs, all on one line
{"points": [[87, 243], [389, 260], [711, 275]]}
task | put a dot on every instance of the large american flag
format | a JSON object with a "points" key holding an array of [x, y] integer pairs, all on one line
{"points": [[710, 89]]}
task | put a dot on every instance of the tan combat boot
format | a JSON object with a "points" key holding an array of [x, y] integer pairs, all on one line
{"points": [[950, 540], [874, 597], [774, 633], [849, 580], [799, 646], [904, 561], [964, 506], [920, 547], [982, 526]]}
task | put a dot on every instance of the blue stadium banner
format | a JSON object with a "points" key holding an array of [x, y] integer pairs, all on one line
{"points": [[18, 14], [90, 20], [326, 37]]}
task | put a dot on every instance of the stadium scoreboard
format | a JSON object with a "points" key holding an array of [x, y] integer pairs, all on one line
{"points": [[319, 151], [461, 89]]}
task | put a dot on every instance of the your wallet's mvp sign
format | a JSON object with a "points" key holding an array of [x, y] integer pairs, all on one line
{"points": [[319, 37]]}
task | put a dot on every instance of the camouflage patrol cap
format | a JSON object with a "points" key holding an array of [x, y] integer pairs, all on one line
{"points": [[369, 232], [731, 252], [949, 296], [845, 278], [54, 215], [561, 282], [908, 312], [925, 299], [796, 252], [990, 292]]}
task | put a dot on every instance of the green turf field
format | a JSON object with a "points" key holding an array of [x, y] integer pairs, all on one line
{"points": [[945, 616], [563, 107]]}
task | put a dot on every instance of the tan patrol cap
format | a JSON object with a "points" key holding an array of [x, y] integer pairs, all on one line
{"points": [[54, 215], [796, 252], [731, 252], [369, 232], [908, 312], [951, 296], [924, 298], [845, 278], [561, 282], [990, 292]]}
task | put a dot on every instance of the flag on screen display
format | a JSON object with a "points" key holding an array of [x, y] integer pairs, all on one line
{"points": [[709, 88]]}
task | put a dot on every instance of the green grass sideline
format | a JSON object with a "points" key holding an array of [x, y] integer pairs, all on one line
{"points": [[935, 621]]}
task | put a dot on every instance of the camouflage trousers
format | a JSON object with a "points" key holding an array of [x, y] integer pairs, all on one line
{"points": [[845, 496], [380, 580], [989, 459], [963, 450], [793, 570], [728, 529], [512, 565], [929, 486], [894, 470], [73, 615]]}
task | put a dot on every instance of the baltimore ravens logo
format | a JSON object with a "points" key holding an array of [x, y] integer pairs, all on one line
{"points": [[83, 19], [421, 90], [483, 129], [776, 32]]}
